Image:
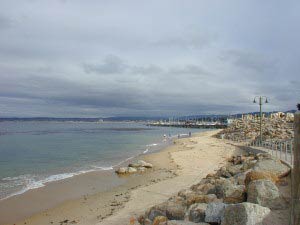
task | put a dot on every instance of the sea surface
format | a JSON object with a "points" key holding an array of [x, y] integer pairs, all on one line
{"points": [[35, 153]]}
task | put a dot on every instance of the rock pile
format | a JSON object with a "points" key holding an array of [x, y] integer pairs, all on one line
{"points": [[241, 193], [139, 166], [273, 128]]}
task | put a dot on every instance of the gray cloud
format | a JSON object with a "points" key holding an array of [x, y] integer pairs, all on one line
{"points": [[250, 60], [151, 69], [5, 22], [189, 70], [111, 65], [187, 41], [104, 58]]}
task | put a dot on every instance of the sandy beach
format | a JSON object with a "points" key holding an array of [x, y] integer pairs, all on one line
{"points": [[175, 167]]}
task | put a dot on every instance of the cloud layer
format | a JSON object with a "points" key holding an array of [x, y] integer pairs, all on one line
{"points": [[110, 58]]}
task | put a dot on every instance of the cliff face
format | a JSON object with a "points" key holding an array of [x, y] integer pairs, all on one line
{"points": [[277, 127]]}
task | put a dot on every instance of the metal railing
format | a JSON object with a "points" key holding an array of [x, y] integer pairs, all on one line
{"points": [[282, 150]]}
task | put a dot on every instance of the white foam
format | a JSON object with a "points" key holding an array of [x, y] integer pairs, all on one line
{"points": [[154, 144], [103, 168], [30, 182]]}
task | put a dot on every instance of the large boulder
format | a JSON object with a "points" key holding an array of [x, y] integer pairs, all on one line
{"points": [[234, 169], [240, 178], [122, 170], [264, 193], [196, 212], [131, 170], [140, 163], [244, 214], [145, 164], [223, 172], [141, 169], [271, 165], [260, 175], [134, 164], [230, 192], [206, 188], [173, 209], [249, 163], [200, 198], [184, 193], [214, 212], [181, 222], [157, 210]]}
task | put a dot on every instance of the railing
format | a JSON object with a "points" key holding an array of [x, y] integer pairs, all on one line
{"points": [[282, 150]]}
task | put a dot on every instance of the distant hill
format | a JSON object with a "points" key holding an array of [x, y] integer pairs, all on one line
{"points": [[136, 118], [51, 119]]}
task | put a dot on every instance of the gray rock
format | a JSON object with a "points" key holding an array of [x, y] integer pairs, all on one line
{"points": [[135, 165], [185, 193], [131, 170], [155, 212], [145, 164], [234, 169], [196, 212], [222, 172], [200, 198], [248, 164], [214, 212], [230, 192], [207, 188], [173, 209], [141, 169], [240, 178], [264, 193], [181, 222], [140, 163], [122, 170], [271, 165], [244, 214]]}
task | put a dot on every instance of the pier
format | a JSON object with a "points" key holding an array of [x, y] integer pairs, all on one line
{"points": [[185, 124]]}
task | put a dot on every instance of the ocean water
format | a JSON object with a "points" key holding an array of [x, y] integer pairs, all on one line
{"points": [[34, 153]]}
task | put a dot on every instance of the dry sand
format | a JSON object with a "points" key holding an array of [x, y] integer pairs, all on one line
{"points": [[195, 157], [176, 167]]}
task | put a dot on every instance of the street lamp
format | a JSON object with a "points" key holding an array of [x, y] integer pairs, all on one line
{"points": [[260, 102]]}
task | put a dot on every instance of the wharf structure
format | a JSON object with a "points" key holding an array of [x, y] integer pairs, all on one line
{"points": [[190, 124]]}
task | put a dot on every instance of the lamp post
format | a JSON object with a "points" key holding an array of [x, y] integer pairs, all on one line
{"points": [[260, 102]]}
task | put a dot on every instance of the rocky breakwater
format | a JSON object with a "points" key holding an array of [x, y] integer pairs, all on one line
{"points": [[275, 128], [135, 167], [245, 192]]}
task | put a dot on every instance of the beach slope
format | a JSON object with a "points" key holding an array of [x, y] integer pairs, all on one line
{"points": [[195, 157]]}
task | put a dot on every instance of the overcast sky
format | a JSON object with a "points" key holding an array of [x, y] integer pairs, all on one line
{"points": [[147, 57]]}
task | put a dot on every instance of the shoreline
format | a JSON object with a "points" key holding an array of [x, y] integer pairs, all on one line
{"points": [[76, 188], [110, 205], [69, 175]]}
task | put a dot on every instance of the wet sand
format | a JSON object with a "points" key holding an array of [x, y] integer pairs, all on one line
{"points": [[176, 167]]}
